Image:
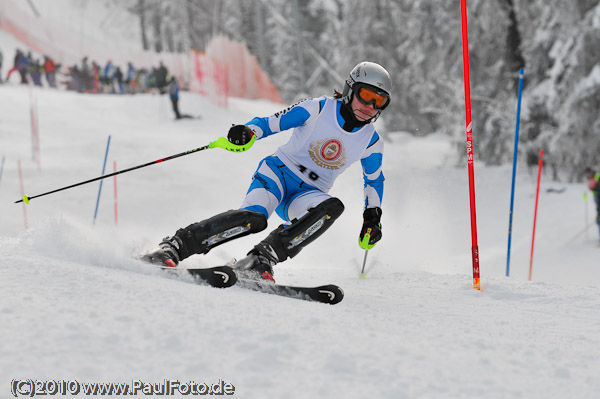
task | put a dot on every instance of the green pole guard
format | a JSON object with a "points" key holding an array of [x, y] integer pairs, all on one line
{"points": [[225, 144], [364, 243]]}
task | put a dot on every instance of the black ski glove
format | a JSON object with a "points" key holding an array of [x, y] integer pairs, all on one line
{"points": [[372, 226], [240, 135]]}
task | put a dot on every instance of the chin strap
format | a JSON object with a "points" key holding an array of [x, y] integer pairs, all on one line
{"points": [[350, 119]]}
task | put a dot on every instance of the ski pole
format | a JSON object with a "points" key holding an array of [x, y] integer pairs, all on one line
{"points": [[365, 244], [222, 142], [362, 272]]}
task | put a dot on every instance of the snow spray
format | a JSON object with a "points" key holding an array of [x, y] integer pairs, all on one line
{"points": [[514, 171], [100, 188], [469, 128]]}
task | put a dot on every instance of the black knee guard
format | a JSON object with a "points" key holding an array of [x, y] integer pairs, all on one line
{"points": [[287, 241], [201, 237]]}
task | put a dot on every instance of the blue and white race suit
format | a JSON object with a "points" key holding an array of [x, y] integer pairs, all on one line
{"points": [[300, 173]]}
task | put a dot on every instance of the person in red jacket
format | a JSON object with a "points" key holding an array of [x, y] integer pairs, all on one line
{"points": [[50, 70]]}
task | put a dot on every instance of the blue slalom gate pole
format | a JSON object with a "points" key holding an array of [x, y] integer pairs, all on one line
{"points": [[100, 189], [514, 171]]}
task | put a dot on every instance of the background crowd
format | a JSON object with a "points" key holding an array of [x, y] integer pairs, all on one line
{"points": [[92, 77], [87, 76]]}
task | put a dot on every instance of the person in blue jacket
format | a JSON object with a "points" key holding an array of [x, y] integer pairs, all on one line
{"points": [[329, 134]]}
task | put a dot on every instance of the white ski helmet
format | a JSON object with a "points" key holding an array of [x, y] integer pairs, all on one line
{"points": [[370, 74]]}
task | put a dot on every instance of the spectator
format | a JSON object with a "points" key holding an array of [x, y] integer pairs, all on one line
{"points": [[593, 178], [15, 67], [96, 72], [35, 71], [86, 76], [75, 82], [23, 67], [107, 77], [118, 76], [130, 78], [50, 70], [161, 75]]}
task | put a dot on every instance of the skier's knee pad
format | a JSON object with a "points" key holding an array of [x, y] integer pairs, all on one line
{"points": [[287, 241], [201, 237]]}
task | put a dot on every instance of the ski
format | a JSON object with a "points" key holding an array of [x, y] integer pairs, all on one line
{"points": [[329, 294], [225, 276], [219, 276]]}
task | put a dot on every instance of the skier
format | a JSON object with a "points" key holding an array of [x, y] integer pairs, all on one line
{"points": [[173, 88], [330, 134], [594, 185]]}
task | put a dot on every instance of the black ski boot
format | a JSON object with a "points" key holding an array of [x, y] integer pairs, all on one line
{"points": [[166, 254], [255, 266]]}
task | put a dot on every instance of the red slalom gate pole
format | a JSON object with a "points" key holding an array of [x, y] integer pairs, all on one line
{"points": [[35, 134], [22, 193], [537, 196], [116, 218], [469, 129]]}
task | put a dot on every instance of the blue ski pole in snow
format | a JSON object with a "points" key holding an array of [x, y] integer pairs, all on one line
{"points": [[100, 189], [514, 171]]}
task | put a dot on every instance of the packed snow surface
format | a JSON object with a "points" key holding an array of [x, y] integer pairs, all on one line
{"points": [[74, 305]]}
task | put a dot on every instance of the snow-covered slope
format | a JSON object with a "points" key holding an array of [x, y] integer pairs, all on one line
{"points": [[75, 306]]}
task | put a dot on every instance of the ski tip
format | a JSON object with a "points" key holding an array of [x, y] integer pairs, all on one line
{"points": [[331, 294], [218, 277]]}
